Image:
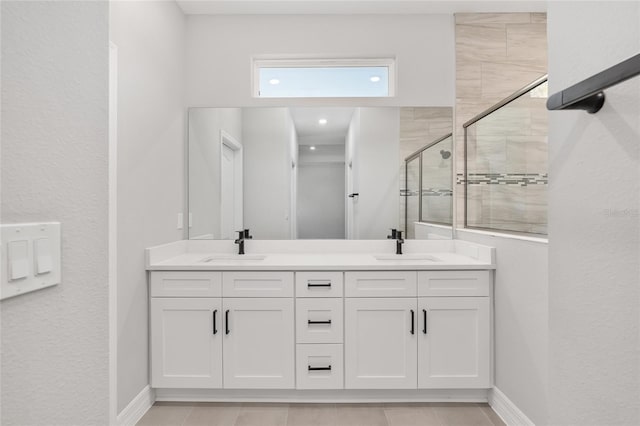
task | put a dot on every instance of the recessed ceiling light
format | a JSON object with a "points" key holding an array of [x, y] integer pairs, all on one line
{"points": [[375, 79], [322, 121], [274, 81], [312, 148]]}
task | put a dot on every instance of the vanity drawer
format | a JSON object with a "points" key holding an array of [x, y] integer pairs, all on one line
{"points": [[257, 284], [380, 284], [319, 320], [319, 284], [454, 283], [186, 284], [319, 367]]}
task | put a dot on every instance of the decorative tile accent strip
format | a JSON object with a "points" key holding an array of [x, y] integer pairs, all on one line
{"points": [[520, 179], [427, 192]]}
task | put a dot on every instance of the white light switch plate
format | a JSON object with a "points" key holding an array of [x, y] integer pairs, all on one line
{"points": [[31, 254]]}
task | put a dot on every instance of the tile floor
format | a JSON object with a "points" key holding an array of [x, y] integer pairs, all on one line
{"points": [[256, 414]]}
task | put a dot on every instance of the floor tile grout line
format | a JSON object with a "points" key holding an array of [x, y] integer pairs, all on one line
{"points": [[188, 414]]}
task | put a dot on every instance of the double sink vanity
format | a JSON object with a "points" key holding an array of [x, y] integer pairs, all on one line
{"points": [[321, 320]]}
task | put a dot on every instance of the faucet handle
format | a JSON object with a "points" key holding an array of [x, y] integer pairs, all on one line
{"points": [[394, 233], [246, 234], [240, 235]]}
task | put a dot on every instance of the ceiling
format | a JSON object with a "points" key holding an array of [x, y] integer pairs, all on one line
{"points": [[320, 7], [310, 132]]}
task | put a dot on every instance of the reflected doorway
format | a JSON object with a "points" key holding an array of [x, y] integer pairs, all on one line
{"points": [[230, 186]]}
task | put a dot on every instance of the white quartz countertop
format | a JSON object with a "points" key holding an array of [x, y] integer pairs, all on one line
{"points": [[320, 255]]}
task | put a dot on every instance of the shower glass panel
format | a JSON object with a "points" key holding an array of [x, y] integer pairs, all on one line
{"points": [[506, 164], [411, 193], [437, 183]]}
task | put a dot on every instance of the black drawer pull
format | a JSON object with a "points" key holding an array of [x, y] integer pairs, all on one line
{"points": [[319, 322], [319, 368], [324, 284], [215, 330], [226, 322]]}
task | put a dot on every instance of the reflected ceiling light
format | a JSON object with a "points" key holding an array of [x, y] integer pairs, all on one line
{"points": [[375, 79], [274, 81], [312, 148], [322, 121]]}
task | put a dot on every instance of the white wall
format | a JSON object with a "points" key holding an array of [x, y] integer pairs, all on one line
{"points": [[266, 138], [204, 148], [55, 342], [520, 320], [151, 135], [321, 200], [220, 48], [377, 145], [594, 190]]}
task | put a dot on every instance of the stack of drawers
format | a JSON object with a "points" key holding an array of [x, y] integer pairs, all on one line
{"points": [[319, 330]]}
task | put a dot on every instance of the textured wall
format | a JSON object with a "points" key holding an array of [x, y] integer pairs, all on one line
{"points": [[594, 222], [497, 54], [55, 352], [151, 135]]}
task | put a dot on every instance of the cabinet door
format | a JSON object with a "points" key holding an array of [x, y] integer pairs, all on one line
{"points": [[186, 343], [380, 343], [258, 343], [454, 342]]}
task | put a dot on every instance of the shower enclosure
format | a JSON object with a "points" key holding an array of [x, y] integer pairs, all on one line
{"points": [[505, 164], [428, 186]]}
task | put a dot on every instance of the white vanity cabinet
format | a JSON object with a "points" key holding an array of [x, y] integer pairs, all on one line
{"points": [[319, 330], [305, 330], [380, 343], [186, 337], [454, 343], [196, 330], [440, 341], [258, 343]]}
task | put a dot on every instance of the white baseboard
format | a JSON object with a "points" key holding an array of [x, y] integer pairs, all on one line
{"points": [[137, 408], [321, 396], [507, 410]]}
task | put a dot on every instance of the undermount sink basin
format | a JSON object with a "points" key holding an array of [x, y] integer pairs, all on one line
{"points": [[222, 258], [405, 257]]}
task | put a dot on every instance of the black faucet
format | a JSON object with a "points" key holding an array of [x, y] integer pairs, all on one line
{"points": [[242, 235], [399, 242]]}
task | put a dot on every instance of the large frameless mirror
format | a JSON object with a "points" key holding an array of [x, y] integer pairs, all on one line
{"points": [[309, 173]]}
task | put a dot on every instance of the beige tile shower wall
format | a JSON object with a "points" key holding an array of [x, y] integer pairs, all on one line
{"points": [[419, 126], [496, 54]]}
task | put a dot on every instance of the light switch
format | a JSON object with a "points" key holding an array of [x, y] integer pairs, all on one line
{"points": [[31, 257], [18, 259], [42, 256]]}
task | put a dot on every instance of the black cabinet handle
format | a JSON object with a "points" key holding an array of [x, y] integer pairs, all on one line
{"points": [[319, 368], [424, 314], [215, 330], [319, 322], [413, 325], [327, 284], [226, 322]]}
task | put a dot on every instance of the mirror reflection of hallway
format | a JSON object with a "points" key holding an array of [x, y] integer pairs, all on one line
{"points": [[321, 200], [321, 187]]}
